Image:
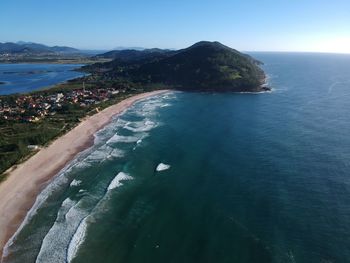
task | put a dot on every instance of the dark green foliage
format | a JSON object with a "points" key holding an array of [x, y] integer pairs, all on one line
{"points": [[129, 55], [16, 136], [208, 66]]}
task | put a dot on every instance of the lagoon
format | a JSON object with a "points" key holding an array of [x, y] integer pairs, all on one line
{"points": [[23, 78]]}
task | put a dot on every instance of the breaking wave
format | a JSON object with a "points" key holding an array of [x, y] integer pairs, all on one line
{"points": [[68, 230], [123, 139], [75, 183], [77, 240], [54, 245], [117, 181], [79, 236]]}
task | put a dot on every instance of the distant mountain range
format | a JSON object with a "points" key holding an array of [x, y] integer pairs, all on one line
{"points": [[128, 55], [34, 48], [208, 66]]}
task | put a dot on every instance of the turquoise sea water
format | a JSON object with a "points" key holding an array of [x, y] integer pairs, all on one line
{"points": [[22, 78], [251, 177]]}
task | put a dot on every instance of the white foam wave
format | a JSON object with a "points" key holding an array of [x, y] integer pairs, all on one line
{"points": [[109, 130], [98, 155], [170, 95], [165, 105], [148, 107], [65, 206], [58, 182], [123, 139], [151, 106], [104, 152], [117, 181], [53, 248], [162, 167], [77, 240], [79, 236], [82, 165], [117, 153], [75, 183], [121, 122], [141, 126]]}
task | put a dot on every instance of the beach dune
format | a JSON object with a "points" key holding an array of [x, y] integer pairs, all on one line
{"points": [[19, 191]]}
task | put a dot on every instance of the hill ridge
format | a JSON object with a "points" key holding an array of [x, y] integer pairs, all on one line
{"points": [[207, 66]]}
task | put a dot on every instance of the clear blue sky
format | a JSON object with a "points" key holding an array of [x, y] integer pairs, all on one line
{"points": [[248, 25]]}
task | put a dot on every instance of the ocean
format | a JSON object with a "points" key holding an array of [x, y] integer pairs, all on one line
{"points": [[209, 177], [23, 78]]}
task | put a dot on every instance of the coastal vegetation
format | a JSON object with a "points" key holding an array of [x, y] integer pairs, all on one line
{"points": [[29, 121], [37, 118], [205, 66]]}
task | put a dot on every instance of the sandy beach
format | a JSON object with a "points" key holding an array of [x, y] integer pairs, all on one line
{"points": [[19, 191]]}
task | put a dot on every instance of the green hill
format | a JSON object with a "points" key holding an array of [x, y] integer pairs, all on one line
{"points": [[129, 55], [206, 66]]}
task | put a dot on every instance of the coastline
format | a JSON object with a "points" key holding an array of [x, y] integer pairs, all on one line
{"points": [[23, 184]]}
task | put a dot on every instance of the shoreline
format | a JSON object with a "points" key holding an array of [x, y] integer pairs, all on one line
{"points": [[20, 189]]}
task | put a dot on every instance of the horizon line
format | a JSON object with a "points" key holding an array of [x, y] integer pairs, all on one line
{"points": [[133, 47]]}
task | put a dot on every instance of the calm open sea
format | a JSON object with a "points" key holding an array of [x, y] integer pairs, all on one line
{"points": [[240, 178], [22, 78]]}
